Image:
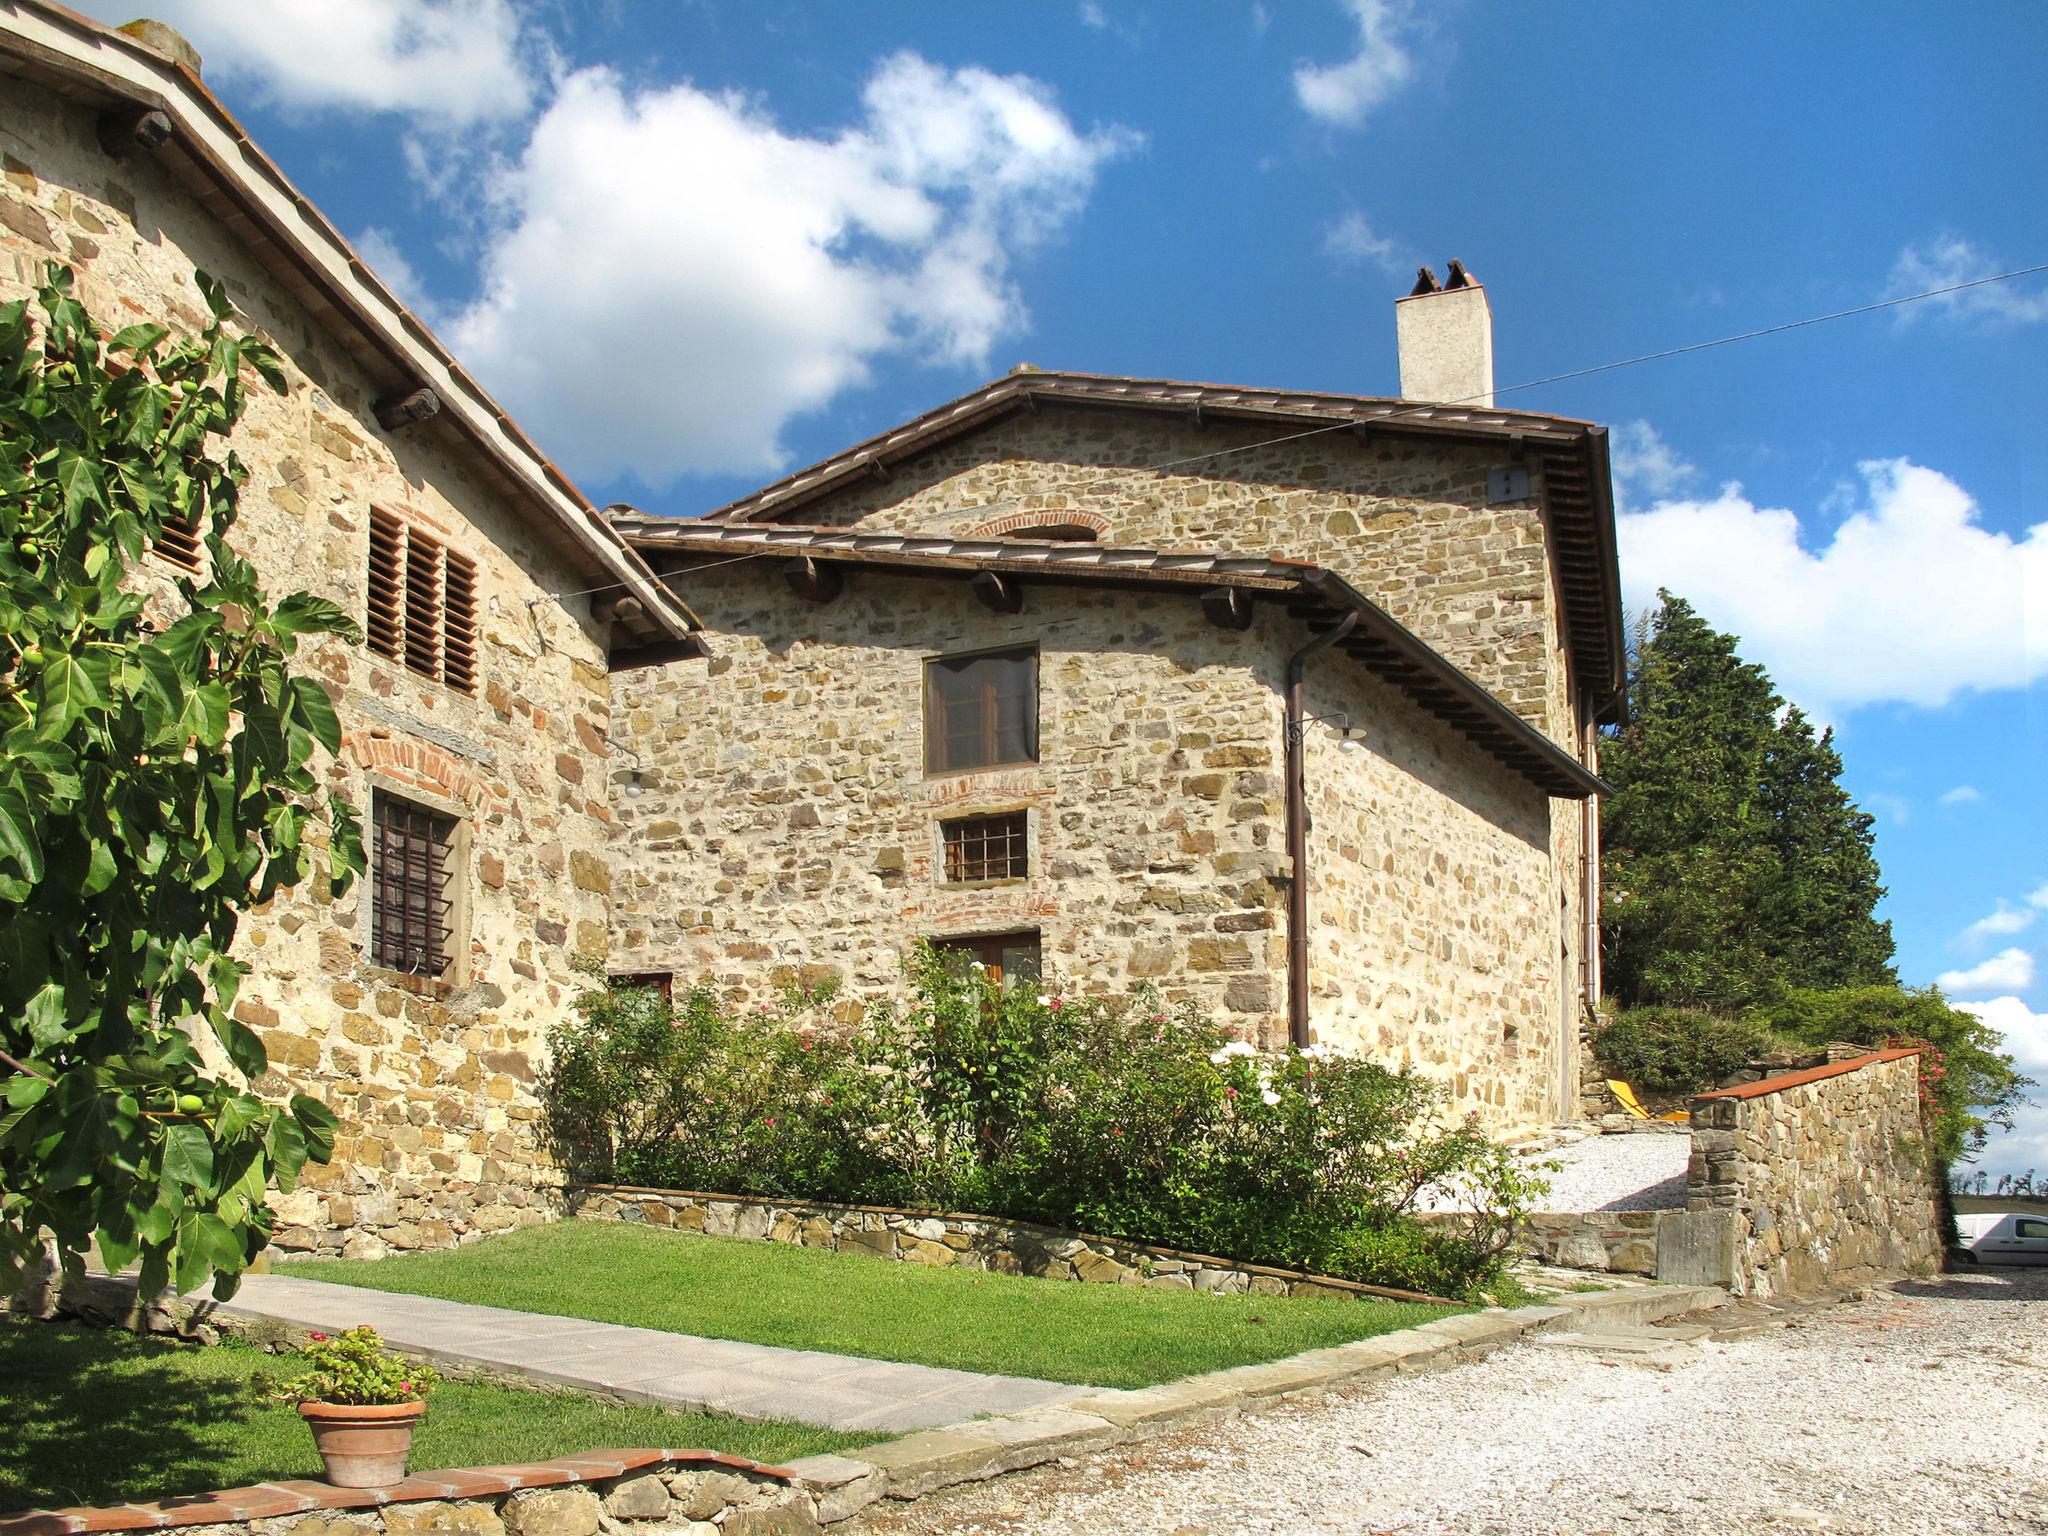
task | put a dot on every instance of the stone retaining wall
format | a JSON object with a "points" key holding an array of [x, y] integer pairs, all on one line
{"points": [[952, 1239], [1827, 1172], [693, 1493]]}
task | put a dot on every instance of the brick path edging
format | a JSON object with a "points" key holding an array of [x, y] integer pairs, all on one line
{"points": [[662, 1491], [647, 1483]]}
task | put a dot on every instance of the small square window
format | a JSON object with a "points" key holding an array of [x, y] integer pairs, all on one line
{"points": [[987, 847], [981, 711], [661, 982], [411, 867]]}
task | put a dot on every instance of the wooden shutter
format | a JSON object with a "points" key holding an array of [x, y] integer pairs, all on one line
{"points": [[422, 604], [178, 542], [458, 641], [386, 615]]}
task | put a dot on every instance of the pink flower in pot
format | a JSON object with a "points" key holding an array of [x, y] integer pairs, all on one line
{"points": [[362, 1403]]}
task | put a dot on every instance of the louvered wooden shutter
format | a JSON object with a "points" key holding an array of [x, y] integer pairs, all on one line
{"points": [[387, 578], [422, 603], [458, 644], [178, 542]]}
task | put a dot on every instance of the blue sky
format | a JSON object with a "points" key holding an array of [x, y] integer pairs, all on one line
{"points": [[693, 243]]}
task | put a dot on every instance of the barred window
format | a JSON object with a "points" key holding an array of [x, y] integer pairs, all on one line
{"points": [[981, 711], [423, 603], [411, 865], [987, 847]]}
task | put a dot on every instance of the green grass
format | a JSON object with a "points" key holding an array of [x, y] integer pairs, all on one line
{"points": [[806, 1298], [101, 1417]]}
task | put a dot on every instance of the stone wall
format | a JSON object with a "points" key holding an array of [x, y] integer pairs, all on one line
{"points": [[954, 1240], [789, 830], [1405, 520], [1433, 929], [688, 1493], [433, 1080], [1827, 1171]]}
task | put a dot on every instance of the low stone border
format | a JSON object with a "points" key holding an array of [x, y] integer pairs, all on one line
{"points": [[703, 1493], [959, 1240], [692, 1491]]}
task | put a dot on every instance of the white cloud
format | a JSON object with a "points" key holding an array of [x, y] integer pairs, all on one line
{"points": [[1646, 466], [1345, 94], [1910, 600], [1895, 808], [449, 62], [2000, 923], [2038, 897], [1352, 238], [677, 276], [1962, 794], [1949, 259], [2026, 1040], [380, 253], [2010, 970]]}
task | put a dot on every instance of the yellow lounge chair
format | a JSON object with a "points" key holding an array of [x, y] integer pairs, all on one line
{"points": [[1634, 1105]]}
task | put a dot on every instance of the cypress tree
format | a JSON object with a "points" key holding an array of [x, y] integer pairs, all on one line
{"points": [[1734, 862]]}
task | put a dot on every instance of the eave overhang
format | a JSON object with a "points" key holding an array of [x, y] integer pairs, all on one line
{"points": [[1316, 597], [212, 158]]}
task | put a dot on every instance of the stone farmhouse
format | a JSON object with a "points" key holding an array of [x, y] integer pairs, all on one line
{"points": [[1283, 704]]}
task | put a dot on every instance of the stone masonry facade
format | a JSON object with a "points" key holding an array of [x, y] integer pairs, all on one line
{"points": [[434, 1080], [789, 831], [1828, 1172]]}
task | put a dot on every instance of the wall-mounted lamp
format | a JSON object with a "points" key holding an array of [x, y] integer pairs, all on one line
{"points": [[636, 781], [1346, 742]]}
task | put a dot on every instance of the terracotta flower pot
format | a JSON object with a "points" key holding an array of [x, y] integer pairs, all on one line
{"points": [[363, 1444]]}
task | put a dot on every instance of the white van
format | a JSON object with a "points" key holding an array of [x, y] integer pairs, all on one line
{"points": [[2002, 1237]]}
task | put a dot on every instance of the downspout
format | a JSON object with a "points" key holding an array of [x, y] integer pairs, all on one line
{"points": [[1297, 828], [1590, 897]]}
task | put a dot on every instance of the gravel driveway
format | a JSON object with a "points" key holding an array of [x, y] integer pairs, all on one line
{"points": [[1920, 1410]]}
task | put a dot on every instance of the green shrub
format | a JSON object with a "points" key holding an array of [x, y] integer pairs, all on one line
{"points": [[1967, 1083], [1678, 1050], [1132, 1121]]}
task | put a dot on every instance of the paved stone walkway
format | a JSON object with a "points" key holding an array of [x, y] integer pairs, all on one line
{"points": [[673, 1370]]}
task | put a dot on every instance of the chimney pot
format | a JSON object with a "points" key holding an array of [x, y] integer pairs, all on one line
{"points": [[168, 41], [1445, 337]]}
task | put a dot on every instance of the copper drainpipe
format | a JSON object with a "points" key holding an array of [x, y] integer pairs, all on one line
{"points": [[1297, 829]]}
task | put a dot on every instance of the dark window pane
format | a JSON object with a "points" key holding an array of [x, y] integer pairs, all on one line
{"points": [[410, 901], [981, 711]]}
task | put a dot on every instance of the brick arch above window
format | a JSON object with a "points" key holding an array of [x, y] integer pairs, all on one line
{"points": [[417, 764], [1062, 526]]}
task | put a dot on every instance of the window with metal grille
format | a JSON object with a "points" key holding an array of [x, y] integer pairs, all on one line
{"points": [[178, 542], [422, 607], [981, 711], [411, 863], [662, 983], [987, 847]]}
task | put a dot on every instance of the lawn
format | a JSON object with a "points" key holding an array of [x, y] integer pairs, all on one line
{"points": [[101, 1417], [807, 1298]]}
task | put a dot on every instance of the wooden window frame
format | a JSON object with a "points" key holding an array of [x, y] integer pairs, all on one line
{"points": [[417, 909], [988, 949], [936, 757], [421, 607], [987, 848], [663, 982]]}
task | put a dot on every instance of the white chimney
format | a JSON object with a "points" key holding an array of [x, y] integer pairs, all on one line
{"points": [[1445, 333]]}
